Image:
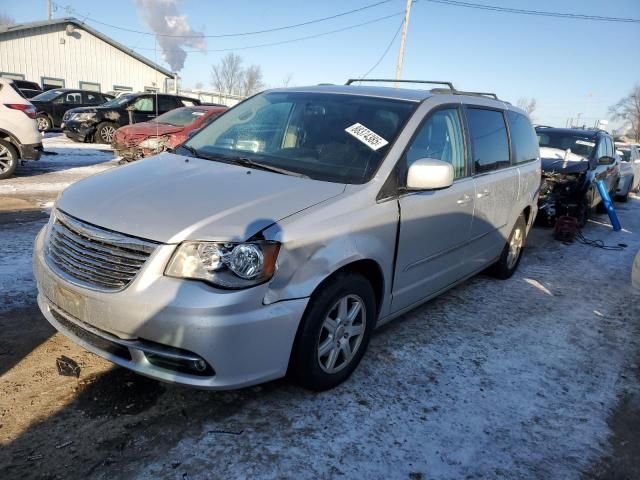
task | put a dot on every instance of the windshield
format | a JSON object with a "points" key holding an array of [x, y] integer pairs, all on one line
{"points": [[118, 101], [48, 95], [582, 145], [180, 117], [329, 137]]}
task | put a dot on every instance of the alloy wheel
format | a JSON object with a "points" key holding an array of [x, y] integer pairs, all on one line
{"points": [[107, 133], [43, 124], [341, 333], [515, 247], [5, 159]]}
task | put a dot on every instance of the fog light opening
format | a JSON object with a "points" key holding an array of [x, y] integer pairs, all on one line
{"points": [[200, 365]]}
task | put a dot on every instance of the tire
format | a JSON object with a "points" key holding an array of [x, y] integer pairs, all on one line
{"points": [[584, 211], [323, 327], [511, 254], [625, 197], [9, 159], [43, 122], [105, 131]]}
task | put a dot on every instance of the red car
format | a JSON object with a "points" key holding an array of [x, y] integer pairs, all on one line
{"points": [[168, 130]]}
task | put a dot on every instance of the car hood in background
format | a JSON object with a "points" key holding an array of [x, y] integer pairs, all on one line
{"points": [[557, 160], [169, 198], [146, 129]]}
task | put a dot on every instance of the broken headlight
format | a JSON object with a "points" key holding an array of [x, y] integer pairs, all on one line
{"points": [[154, 143], [83, 116], [224, 264]]}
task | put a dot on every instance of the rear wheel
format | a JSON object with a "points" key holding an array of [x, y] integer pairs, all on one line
{"points": [[334, 332], [43, 122], [105, 131], [8, 159], [509, 260]]}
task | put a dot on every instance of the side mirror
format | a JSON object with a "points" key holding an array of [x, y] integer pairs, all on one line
{"points": [[429, 174], [606, 160]]}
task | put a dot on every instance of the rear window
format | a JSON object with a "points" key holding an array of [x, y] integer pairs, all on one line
{"points": [[180, 117], [524, 143], [489, 141]]}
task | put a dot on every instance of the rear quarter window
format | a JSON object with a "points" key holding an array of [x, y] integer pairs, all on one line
{"points": [[489, 140], [524, 143]]}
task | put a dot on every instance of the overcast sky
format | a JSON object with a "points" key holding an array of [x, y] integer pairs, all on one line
{"points": [[569, 66]]}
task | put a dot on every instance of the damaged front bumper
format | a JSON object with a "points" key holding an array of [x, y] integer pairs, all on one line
{"points": [[78, 131], [561, 194]]}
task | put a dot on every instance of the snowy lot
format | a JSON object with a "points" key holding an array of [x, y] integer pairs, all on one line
{"points": [[534, 377]]}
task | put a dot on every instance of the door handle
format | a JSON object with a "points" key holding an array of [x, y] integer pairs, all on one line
{"points": [[483, 193], [464, 199]]}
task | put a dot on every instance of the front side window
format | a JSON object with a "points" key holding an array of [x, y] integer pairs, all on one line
{"points": [[326, 136], [524, 143], [73, 98], [489, 141], [143, 104], [440, 138]]}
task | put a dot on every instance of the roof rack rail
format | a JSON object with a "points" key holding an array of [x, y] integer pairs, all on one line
{"points": [[463, 92], [388, 80]]}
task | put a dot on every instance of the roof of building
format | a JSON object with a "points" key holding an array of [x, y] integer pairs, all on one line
{"points": [[77, 23]]}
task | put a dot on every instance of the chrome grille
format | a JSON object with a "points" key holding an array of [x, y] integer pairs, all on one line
{"points": [[94, 257]]}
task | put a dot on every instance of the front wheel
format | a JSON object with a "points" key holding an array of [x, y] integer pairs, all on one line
{"points": [[43, 122], [334, 332], [104, 132], [511, 254], [8, 159]]}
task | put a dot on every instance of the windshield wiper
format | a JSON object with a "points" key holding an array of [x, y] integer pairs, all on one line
{"points": [[247, 162], [192, 151]]}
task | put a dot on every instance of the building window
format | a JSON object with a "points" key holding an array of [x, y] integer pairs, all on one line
{"points": [[91, 86], [122, 88], [49, 83], [12, 76]]}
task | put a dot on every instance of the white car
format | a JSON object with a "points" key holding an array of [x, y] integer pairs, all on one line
{"points": [[629, 170], [19, 135]]}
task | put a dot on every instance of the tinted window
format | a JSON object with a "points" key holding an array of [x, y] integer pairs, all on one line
{"points": [[440, 138], [166, 103], [524, 143], [92, 98], [489, 142], [188, 102], [73, 98]]}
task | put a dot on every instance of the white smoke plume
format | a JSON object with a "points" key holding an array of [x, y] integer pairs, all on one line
{"points": [[163, 18]]}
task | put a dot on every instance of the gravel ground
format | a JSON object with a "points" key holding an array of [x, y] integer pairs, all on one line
{"points": [[534, 377]]}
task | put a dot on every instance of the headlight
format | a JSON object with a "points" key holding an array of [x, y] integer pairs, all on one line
{"points": [[154, 143], [83, 116], [227, 265]]}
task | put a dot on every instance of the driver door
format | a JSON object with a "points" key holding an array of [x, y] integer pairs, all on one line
{"points": [[434, 225]]}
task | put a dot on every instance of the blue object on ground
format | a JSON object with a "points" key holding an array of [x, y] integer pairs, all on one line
{"points": [[606, 199]]}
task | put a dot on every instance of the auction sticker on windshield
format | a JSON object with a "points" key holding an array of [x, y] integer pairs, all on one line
{"points": [[366, 136]]}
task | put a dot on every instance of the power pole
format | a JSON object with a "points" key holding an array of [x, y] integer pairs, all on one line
{"points": [[49, 9], [405, 26]]}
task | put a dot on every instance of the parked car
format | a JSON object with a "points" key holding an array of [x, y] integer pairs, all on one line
{"points": [[27, 88], [276, 238], [98, 124], [572, 161], [170, 129], [53, 104], [19, 136], [629, 170]]}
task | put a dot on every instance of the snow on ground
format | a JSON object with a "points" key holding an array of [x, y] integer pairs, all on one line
{"points": [[63, 163], [512, 379]]}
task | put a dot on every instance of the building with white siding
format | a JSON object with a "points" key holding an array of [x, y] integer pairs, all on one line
{"points": [[69, 53]]}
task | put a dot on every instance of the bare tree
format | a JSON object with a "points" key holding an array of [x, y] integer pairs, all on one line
{"points": [[227, 76], [6, 20], [528, 105], [252, 80], [627, 110], [286, 81]]}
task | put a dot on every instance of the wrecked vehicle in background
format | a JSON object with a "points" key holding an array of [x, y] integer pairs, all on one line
{"points": [[169, 130], [572, 161], [98, 124], [629, 170]]}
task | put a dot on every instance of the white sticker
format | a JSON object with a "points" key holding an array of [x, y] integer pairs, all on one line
{"points": [[584, 142], [366, 136], [197, 114]]}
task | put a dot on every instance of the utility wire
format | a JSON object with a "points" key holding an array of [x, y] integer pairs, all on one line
{"points": [[236, 34], [292, 40], [384, 54], [542, 13]]}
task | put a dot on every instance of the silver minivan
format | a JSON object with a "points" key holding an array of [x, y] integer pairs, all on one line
{"points": [[278, 237]]}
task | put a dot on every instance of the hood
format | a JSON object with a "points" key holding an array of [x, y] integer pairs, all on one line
{"points": [[557, 160], [147, 129], [169, 199]]}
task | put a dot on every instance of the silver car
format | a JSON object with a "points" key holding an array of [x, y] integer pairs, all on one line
{"points": [[278, 237], [629, 170]]}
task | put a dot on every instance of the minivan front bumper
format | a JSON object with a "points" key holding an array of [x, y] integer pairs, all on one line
{"points": [[156, 318]]}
